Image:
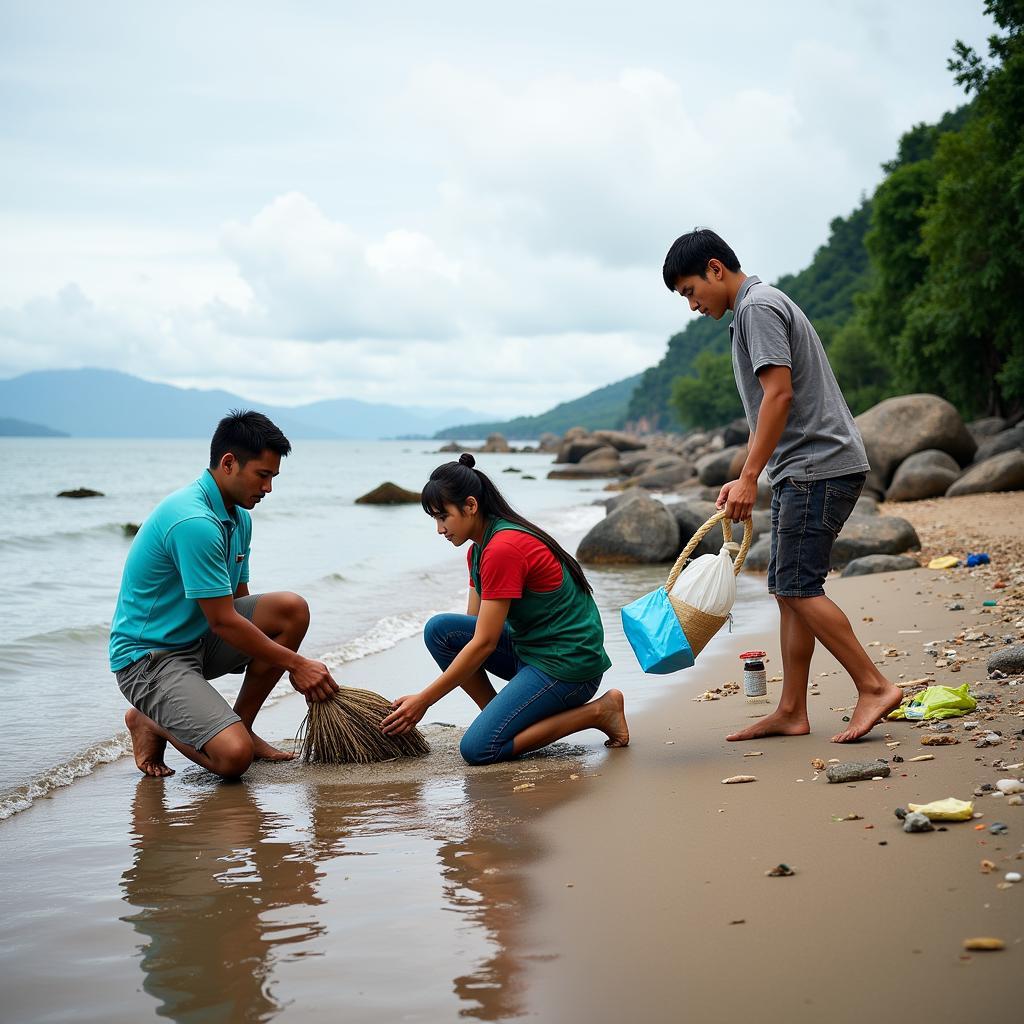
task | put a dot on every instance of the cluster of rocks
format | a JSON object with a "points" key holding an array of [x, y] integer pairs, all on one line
{"points": [[918, 447], [499, 443]]}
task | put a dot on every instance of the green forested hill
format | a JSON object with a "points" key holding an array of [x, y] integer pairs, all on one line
{"points": [[603, 408]]}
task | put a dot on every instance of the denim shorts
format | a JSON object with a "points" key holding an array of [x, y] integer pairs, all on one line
{"points": [[529, 696], [807, 516], [170, 685]]}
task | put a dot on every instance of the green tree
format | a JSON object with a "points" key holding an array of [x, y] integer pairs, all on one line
{"points": [[964, 333], [707, 397]]}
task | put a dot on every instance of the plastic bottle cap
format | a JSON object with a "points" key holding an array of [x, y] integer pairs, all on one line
{"points": [[747, 655]]}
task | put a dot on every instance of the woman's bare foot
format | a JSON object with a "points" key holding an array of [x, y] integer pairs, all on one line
{"points": [[870, 710], [613, 719], [263, 751], [147, 745], [778, 723]]}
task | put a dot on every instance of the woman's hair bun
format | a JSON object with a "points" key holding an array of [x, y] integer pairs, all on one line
{"points": [[466, 459]]}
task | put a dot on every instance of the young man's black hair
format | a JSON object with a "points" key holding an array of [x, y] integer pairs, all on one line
{"points": [[246, 434], [689, 255]]}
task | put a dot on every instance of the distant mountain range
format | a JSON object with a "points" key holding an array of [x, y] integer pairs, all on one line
{"points": [[106, 403], [604, 408], [21, 428]]}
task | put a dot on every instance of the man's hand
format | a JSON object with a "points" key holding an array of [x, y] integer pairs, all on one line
{"points": [[737, 498], [313, 680], [408, 711]]}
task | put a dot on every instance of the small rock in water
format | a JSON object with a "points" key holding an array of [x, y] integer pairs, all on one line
{"points": [[81, 492], [856, 771], [917, 822]]}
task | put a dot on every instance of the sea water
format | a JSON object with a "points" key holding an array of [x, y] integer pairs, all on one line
{"points": [[372, 574]]}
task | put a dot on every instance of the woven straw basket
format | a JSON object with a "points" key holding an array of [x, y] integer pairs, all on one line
{"points": [[699, 626]]}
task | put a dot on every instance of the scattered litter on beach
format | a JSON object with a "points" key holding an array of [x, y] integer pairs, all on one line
{"points": [[984, 944], [780, 871], [922, 757], [524, 785], [754, 753], [949, 809], [733, 779]]}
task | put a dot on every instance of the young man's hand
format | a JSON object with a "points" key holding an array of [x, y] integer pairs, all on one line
{"points": [[313, 680], [408, 711], [737, 498]]}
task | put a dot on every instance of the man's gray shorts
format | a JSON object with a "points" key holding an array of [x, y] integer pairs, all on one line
{"points": [[170, 686]]}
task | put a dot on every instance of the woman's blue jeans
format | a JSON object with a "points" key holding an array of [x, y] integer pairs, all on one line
{"points": [[530, 695]]}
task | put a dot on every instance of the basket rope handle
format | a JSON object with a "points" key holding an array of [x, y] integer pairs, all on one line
{"points": [[718, 517]]}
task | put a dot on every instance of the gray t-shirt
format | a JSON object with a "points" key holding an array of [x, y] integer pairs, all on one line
{"points": [[820, 439]]}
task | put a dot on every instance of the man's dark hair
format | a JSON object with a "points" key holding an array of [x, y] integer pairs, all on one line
{"points": [[690, 253], [246, 434]]}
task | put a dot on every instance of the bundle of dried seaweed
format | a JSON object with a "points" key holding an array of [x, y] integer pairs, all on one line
{"points": [[346, 730]]}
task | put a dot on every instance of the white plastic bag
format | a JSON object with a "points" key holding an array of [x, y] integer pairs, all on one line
{"points": [[708, 583]]}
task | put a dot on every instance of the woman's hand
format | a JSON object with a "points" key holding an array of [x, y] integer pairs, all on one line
{"points": [[407, 712]]}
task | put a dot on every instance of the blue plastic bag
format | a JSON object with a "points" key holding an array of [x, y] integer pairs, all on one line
{"points": [[654, 633]]}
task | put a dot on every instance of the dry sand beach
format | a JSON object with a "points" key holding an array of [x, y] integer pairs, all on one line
{"points": [[583, 885]]}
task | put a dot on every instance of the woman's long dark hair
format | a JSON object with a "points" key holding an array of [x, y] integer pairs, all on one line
{"points": [[454, 482]]}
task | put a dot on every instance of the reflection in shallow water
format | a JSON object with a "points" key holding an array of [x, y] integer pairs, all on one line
{"points": [[314, 900]]}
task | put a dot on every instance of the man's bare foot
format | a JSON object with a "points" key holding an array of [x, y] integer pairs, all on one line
{"points": [[613, 719], [263, 751], [147, 746], [778, 723], [870, 710]]}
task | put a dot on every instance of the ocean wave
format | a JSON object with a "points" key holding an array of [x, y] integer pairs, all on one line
{"points": [[41, 541], [87, 635], [82, 764], [382, 635]]}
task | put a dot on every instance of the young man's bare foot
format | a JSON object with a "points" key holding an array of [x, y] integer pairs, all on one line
{"points": [[870, 710], [147, 746], [776, 724], [263, 751], [613, 719]]}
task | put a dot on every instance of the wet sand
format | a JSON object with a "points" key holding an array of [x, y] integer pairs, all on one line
{"points": [[580, 885]]}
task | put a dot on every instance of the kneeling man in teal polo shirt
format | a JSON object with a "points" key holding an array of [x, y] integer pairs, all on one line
{"points": [[185, 615]]}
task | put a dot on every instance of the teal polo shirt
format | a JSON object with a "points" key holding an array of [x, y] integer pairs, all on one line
{"points": [[189, 547]]}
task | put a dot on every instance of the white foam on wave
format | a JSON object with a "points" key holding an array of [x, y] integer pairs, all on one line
{"points": [[381, 636], [81, 764]]}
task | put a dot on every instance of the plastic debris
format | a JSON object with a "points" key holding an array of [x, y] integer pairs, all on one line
{"points": [[936, 703], [738, 778], [949, 809], [981, 558], [989, 604], [984, 944], [944, 562], [922, 757], [1012, 876]]}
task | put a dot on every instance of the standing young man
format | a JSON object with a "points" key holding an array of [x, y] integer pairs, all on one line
{"points": [[803, 431], [185, 615]]}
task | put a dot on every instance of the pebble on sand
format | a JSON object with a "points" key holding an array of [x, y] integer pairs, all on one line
{"points": [[738, 778]]}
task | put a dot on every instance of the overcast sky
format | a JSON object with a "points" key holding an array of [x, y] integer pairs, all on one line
{"points": [[430, 204]]}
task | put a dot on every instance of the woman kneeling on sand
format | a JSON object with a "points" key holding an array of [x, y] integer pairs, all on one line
{"points": [[531, 620]]}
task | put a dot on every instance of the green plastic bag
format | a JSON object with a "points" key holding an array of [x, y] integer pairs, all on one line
{"points": [[937, 702]]}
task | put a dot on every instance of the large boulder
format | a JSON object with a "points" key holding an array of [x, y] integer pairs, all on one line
{"points": [[389, 494], [671, 472], [640, 531], [1005, 441], [873, 535], [900, 426], [604, 454], [736, 433], [588, 471], [574, 449], [1003, 472], [866, 506], [548, 442], [720, 467], [620, 440], [691, 516], [636, 462], [575, 433], [496, 443], [451, 446], [870, 564], [759, 554], [926, 474], [987, 427], [628, 495]]}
